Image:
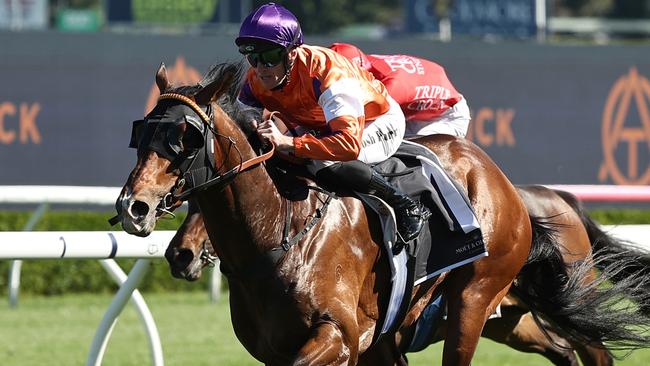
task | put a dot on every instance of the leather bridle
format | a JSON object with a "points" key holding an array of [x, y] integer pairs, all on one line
{"points": [[178, 193], [221, 179]]}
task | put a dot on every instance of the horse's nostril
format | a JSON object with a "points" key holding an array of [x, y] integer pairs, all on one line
{"points": [[139, 209], [184, 258]]}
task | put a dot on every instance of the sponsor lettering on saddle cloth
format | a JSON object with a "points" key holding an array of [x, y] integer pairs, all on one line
{"points": [[451, 239]]}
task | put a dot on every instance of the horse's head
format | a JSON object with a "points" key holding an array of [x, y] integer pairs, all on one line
{"points": [[172, 139], [190, 250]]}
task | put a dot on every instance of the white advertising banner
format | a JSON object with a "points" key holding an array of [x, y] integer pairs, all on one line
{"points": [[23, 14]]}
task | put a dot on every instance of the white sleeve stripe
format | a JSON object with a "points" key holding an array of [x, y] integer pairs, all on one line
{"points": [[342, 98]]}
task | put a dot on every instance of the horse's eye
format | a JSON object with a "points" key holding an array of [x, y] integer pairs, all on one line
{"points": [[192, 139], [174, 136]]}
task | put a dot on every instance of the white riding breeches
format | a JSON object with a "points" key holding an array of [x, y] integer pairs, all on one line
{"points": [[454, 121]]}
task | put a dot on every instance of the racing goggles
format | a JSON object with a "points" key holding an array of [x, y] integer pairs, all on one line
{"points": [[268, 58]]}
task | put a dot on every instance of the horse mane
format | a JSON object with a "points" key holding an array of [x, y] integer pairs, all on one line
{"points": [[239, 112]]}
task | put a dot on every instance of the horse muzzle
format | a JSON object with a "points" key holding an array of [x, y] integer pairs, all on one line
{"points": [[137, 216], [184, 263]]}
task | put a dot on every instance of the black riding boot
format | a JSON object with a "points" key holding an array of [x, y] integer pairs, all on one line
{"points": [[410, 217], [360, 177]]}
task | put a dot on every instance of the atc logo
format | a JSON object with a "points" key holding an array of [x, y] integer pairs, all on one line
{"points": [[179, 74], [626, 131]]}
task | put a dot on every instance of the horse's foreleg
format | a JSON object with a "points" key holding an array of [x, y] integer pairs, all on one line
{"points": [[326, 346]]}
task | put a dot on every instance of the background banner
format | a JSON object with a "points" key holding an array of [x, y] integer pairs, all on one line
{"points": [[32, 14], [545, 114], [176, 11], [512, 18]]}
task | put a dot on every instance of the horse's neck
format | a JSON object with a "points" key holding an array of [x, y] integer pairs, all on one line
{"points": [[244, 214]]}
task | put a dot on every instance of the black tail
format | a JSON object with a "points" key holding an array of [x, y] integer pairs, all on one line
{"points": [[590, 312], [608, 249]]}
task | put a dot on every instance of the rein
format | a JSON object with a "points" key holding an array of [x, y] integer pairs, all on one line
{"points": [[226, 177]]}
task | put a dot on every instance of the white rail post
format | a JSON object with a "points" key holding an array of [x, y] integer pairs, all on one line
{"points": [[128, 288], [16, 265], [214, 284]]}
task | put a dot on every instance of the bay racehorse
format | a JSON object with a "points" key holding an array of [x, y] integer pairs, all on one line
{"points": [[319, 302]]}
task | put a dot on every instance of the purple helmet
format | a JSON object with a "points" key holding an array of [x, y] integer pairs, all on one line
{"points": [[269, 25]]}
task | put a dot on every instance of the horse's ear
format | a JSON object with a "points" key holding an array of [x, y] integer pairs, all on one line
{"points": [[214, 89], [161, 78]]}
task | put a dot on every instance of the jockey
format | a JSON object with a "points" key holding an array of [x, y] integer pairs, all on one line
{"points": [[431, 106], [429, 101], [341, 116]]}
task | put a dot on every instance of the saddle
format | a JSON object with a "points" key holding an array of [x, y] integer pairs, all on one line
{"points": [[451, 238]]}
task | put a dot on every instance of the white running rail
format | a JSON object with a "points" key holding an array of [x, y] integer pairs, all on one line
{"points": [[106, 246], [108, 195], [72, 245], [638, 236], [44, 196], [606, 193], [59, 194]]}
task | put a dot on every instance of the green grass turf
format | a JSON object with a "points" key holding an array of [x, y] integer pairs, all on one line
{"points": [[58, 330]]}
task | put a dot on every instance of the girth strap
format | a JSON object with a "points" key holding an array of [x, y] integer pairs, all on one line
{"points": [[276, 253], [259, 267]]}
